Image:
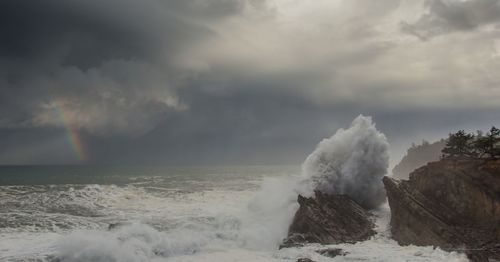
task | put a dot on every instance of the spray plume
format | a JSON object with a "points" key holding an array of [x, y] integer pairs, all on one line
{"points": [[351, 162]]}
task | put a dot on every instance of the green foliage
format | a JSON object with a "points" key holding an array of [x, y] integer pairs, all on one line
{"points": [[482, 146], [459, 144], [462, 144]]}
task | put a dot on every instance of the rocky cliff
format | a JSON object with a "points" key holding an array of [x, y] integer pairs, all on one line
{"points": [[452, 204], [329, 219]]}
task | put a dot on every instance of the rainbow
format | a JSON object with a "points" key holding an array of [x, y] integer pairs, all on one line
{"points": [[72, 131]]}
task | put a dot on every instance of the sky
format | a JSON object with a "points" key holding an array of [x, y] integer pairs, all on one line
{"points": [[197, 82]]}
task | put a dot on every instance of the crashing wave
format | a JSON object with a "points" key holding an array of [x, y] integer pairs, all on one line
{"points": [[352, 162]]}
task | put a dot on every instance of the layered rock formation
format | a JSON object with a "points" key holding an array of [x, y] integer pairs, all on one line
{"points": [[329, 219], [452, 204]]}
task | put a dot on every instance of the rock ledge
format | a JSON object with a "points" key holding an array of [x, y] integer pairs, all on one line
{"points": [[451, 204], [329, 219]]}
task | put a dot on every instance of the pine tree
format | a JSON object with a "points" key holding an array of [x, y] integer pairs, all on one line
{"points": [[488, 145], [482, 146], [494, 140], [459, 144]]}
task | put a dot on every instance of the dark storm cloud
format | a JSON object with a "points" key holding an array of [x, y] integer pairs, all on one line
{"points": [[88, 56], [36, 29], [234, 81], [448, 16], [102, 67], [244, 127], [86, 33]]}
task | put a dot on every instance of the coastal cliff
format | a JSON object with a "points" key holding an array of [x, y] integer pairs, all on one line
{"points": [[451, 204]]}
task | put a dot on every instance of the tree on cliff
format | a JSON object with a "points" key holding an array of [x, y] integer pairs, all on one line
{"points": [[459, 144], [490, 143], [495, 132], [487, 145]]}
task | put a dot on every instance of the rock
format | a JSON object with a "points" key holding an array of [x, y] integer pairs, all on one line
{"points": [[329, 219], [332, 252], [305, 260], [117, 225], [294, 240], [451, 204]]}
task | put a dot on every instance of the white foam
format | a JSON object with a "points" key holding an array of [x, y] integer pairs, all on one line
{"points": [[270, 213], [137, 242], [378, 248], [215, 226], [213, 223], [22, 246]]}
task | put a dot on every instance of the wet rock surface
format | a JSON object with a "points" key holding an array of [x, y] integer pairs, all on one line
{"points": [[305, 260], [329, 219], [451, 204], [332, 252]]}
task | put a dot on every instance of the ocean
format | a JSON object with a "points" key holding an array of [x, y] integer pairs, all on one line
{"points": [[109, 213]]}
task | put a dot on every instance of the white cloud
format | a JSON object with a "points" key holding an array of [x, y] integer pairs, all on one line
{"points": [[358, 54]]}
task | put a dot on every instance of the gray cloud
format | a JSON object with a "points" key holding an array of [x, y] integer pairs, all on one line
{"points": [[449, 16], [236, 81], [107, 65]]}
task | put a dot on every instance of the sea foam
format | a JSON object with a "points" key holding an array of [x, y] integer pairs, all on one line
{"points": [[208, 225]]}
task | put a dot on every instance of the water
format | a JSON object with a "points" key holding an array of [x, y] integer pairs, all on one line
{"points": [[71, 213]]}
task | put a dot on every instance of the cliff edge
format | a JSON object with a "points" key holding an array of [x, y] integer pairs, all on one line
{"points": [[451, 204]]}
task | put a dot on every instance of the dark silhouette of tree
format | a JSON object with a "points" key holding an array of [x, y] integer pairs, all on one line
{"points": [[458, 145], [494, 142], [488, 144], [483, 145]]}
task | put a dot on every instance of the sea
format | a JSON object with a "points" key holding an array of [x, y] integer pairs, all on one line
{"points": [[130, 213]]}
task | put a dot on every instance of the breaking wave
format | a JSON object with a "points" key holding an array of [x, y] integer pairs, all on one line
{"points": [[203, 220], [351, 162]]}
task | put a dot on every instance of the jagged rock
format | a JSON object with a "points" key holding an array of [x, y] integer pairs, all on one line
{"points": [[117, 225], [452, 204], [332, 252], [294, 240], [329, 219], [305, 260]]}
